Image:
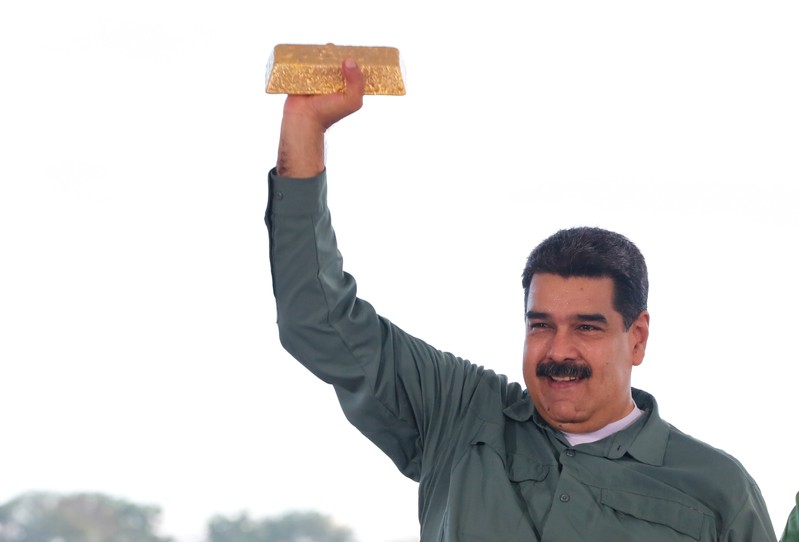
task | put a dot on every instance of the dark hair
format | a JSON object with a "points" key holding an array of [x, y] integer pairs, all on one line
{"points": [[594, 252]]}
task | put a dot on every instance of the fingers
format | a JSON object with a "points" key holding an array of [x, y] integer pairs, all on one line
{"points": [[324, 110]]}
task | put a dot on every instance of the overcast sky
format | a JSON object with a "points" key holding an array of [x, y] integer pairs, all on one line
{"points": [[138, 348]]}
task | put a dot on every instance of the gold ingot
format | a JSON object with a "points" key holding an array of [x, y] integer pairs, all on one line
{"points": [[316, 69]]}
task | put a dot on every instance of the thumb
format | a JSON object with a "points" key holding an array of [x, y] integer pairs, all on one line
{"points": [[354, 83]]}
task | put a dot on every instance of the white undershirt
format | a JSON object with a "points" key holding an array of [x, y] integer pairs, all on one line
{"points": [[613, 427]]}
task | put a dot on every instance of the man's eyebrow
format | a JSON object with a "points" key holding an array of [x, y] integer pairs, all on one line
{"points": [[596, 317], [592, 318], [532, 315]]}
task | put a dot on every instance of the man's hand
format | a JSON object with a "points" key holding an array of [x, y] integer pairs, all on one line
{"points": [[305, 120]]}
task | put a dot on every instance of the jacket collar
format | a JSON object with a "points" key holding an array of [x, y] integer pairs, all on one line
{"points": [[645, 440]]}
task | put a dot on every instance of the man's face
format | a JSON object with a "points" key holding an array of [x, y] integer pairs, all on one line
{"points": [[577, 355]]}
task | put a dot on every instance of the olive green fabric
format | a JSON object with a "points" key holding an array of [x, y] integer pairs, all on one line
{"points": [[489, 469], [791, 533]]}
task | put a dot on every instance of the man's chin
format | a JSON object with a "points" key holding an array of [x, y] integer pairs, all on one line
{"points": [[565, 417]]}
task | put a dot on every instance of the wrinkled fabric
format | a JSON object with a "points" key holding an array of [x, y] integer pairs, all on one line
{"points": [[489, 468]]}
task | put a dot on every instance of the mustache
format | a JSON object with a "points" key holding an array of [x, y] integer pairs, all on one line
{"points": [[563, 369]]}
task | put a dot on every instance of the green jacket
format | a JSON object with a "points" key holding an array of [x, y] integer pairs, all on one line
{"points": [[791, 533], [489, 468]]}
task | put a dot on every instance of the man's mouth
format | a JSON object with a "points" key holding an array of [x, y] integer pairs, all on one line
{"points": [[563, 378]]}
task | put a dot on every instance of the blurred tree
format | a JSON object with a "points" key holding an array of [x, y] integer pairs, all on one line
{"points": [[291, 527], [84, 517]]}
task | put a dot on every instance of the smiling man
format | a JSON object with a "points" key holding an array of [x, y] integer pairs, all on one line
{"points": [[585, 291], [579, 455]]}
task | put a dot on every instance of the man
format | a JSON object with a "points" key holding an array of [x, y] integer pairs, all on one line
{"points": [[791, 532], [579, 455]]}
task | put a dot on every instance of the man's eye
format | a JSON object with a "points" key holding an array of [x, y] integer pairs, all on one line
{"points": [[587, 327], [537, 325]]}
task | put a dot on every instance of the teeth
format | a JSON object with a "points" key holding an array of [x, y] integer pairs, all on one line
{"points": [[563, 378]]}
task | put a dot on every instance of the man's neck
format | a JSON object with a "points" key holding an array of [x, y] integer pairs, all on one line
{"points": [[611, 428]]}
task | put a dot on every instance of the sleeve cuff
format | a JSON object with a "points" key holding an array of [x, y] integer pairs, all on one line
{"points": [[297, 196]]}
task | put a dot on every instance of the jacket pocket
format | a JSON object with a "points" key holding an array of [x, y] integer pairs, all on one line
{"points": [[522, 468], [672, 514], [482, 503]]}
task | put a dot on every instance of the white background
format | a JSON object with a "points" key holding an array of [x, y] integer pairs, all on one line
{"points": [[138, 351]]}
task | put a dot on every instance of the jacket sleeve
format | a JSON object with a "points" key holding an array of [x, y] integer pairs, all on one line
{"points": [[401, 393], [752, 523]]}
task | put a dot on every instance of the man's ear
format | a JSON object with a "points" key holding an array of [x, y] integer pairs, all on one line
{"points": [[638, 334]]}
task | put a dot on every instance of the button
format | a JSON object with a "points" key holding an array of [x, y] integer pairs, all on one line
{"points": [[564, 497], [570, 453], [278, 195]]}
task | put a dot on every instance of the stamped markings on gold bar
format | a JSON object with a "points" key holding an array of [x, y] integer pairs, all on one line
{"points": [[316, 69]]}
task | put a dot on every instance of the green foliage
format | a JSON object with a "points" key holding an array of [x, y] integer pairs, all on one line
{"points": [[84, 517], [292, 527], [94, 517]]}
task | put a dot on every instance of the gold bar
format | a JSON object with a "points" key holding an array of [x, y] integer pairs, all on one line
{"points": [[316, 69]]}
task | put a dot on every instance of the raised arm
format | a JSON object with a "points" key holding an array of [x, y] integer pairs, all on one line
{"points": [[404, 395], [307, 118]]}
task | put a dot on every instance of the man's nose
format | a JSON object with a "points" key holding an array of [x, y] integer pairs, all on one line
{"points": [[562, 346]]}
